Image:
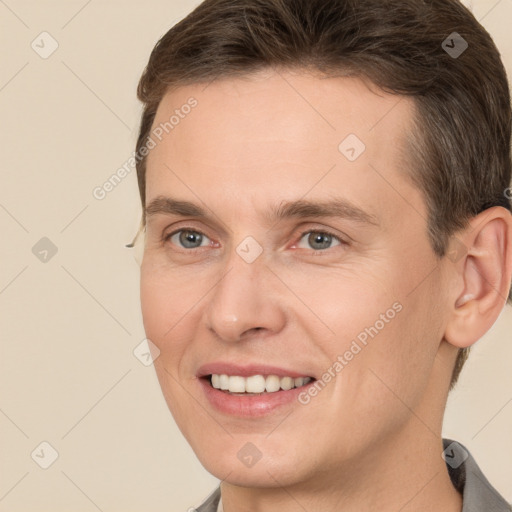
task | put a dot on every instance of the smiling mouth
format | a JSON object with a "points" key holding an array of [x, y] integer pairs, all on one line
{"points": [[255, 384]]}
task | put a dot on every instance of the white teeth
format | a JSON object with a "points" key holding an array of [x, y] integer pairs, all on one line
{"points": [[287, 383], [256, 383], [223, 382], [236, 384], [272, 383]]}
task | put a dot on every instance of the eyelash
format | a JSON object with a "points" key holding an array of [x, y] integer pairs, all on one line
{"points": [[342, 242]]}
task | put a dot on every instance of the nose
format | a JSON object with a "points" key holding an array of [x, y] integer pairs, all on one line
{"points": [[246, 301]]}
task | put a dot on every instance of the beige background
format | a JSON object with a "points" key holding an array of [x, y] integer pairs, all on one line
{"points": [[68, 374]]}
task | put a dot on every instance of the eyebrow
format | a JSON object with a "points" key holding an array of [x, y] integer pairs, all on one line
{"points": [[302, 208]]}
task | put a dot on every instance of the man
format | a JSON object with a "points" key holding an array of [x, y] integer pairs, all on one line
{"points": [[325, 187]]}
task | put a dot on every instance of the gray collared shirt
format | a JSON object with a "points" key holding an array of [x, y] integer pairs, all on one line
{"points": [[478, 495]]}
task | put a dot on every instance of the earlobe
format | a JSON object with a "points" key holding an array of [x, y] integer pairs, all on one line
{"points": [[485, 272]]}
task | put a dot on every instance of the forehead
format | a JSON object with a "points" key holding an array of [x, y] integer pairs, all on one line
{"points": [[274, 135]]}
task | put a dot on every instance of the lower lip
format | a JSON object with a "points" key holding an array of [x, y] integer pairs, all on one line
{"points": [[250, 406]]}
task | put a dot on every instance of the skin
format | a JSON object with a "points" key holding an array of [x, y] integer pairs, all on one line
{"points": [[371, 439]]}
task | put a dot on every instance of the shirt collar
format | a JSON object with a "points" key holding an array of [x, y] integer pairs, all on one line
{"points": [[477, 493]]}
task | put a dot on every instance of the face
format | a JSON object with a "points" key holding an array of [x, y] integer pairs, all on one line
{"points": [[285, 246]]}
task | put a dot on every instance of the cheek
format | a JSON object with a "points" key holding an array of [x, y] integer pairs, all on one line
{"points": [[171, 304], [164, 299], [394, 368], [154, 305], [161, 309], [164, 314], [387, 337]]}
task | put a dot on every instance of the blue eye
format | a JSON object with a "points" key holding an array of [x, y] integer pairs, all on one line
{"points": [[319, 240], [188, 239]]}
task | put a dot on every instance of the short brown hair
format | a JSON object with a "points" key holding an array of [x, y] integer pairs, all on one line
{"points": [[461, 142]]}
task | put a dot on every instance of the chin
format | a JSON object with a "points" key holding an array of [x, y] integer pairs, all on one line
{"points": [[245, 468], [261, 477]]}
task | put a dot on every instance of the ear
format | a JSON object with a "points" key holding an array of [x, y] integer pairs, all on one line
{"points": [[481, 258]]}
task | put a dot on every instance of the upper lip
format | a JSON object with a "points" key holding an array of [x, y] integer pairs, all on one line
{"points": [[247, 370]]}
